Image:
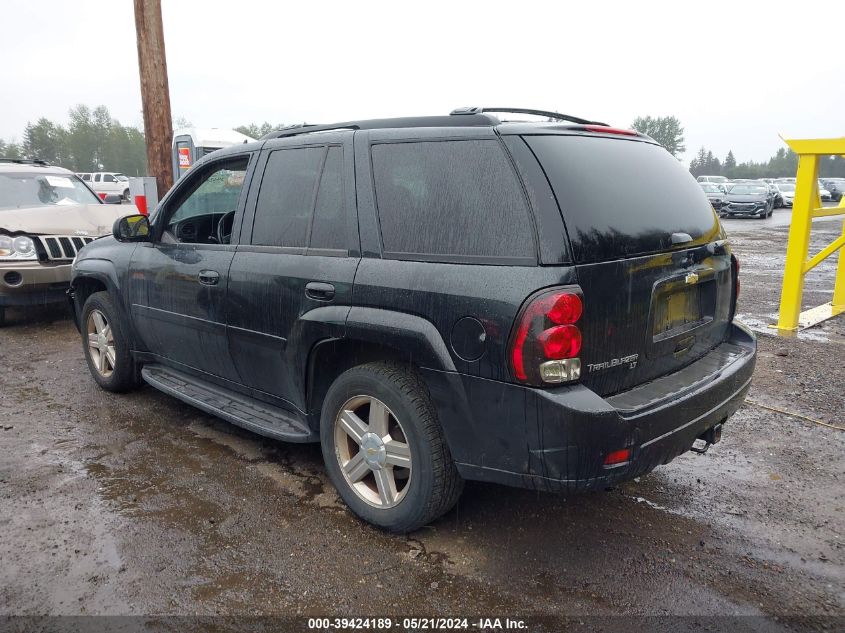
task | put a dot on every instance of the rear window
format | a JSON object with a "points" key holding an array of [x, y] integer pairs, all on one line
{"points": [[451, 201], [622, 198]]}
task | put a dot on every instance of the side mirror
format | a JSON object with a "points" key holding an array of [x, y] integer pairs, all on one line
{"points": [[112, 198], [132, 228]]}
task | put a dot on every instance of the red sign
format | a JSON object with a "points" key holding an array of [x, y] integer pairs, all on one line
{"points": [[184, 157]]}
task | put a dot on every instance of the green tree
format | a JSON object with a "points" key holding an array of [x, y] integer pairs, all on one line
{"points": [[257, 131], [10, 149], [730, 162], [698, 165], [45, 140], [83, 149], [95, 139], [666, 130], [713, 167]]}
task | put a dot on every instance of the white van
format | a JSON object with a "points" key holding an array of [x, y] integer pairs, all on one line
{"points": [[192, 143]]}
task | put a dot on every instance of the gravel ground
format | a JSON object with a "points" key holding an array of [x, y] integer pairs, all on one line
{"points": [[139, 504]]}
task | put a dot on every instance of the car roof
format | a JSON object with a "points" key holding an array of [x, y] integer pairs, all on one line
{"points": [[460, 118], [15, 165]]}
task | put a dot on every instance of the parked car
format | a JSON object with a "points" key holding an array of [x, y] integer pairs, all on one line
{"points": [[46, 216], [778, 198], [712, 179], [836, 187], [824, 194], [106, 182], [750, 199], [715, 193], [787, 192], [404, 292]]}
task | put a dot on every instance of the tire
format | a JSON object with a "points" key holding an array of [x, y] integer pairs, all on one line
{"points": [[2, 316], [421, 492], [115, 371], [126, 195]]}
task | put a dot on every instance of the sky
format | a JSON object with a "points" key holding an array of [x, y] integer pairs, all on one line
{"points": [[737, 74]]}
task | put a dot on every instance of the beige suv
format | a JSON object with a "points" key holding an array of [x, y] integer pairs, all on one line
{"points": [[47, 214]]}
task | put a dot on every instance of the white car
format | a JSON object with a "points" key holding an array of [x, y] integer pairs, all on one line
{"points": [[106, 182], [787, 192]]}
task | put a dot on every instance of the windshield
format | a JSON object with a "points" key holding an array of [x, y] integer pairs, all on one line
{"points": [[24, 190], [711, 188], [121, 178], [786, 187], [749, 189]]}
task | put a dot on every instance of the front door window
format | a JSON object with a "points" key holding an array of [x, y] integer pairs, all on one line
{"points": [[210, 199]]}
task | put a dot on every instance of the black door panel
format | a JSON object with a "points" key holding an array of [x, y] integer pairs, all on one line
{"points": [[266, 298], [176, 315], [178, 282], [300, 254]]}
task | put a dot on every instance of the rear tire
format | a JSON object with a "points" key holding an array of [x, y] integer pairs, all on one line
{"points": [[408, 480], [2, 316], [106, 345]]}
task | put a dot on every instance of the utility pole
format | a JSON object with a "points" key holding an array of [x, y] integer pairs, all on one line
{"points": [[155, 92]]}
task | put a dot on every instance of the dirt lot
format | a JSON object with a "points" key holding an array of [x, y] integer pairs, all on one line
{"points": [[138, 504]]}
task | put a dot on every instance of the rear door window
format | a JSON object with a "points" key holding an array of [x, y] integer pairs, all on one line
{"points": [[286, 197], [329, 227], [451, 201], [622, 198]]}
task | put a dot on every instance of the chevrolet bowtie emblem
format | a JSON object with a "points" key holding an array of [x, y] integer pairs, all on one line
{"points": [[371, 451], [691, 278]]}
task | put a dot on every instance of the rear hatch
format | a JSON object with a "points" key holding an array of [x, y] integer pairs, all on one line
{"points": [[649, 253]]}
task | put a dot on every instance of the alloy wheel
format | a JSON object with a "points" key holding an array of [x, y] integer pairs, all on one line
{"points": [[373, 452], [100, 343]]}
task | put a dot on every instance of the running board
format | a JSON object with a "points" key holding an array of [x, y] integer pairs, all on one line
{"points": [[253, 415]]}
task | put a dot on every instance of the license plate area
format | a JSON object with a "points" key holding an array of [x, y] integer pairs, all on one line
{"points": [[681, 309], [674, 312]]}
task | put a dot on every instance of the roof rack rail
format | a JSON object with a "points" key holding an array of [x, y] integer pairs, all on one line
{"points": [[379, 124], [546, 113], [306, 128], [25, 161]]}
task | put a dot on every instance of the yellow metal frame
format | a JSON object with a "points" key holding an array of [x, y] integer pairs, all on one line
{"points": [[806, 206]]}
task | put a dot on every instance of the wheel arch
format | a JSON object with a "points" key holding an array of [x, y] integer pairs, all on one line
{"points": [[383, 335], [97, 275]]}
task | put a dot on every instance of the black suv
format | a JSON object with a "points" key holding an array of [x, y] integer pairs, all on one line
{"points": [[547, 305]]}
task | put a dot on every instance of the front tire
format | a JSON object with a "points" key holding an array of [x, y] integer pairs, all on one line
{"points": [[384, 449], [106, 344]]}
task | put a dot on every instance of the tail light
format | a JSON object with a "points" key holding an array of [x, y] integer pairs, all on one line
{"points": [[546, 341], [605, 129], [616, 458]]}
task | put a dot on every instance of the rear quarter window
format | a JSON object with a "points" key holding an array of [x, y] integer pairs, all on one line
{"points": [[451, 201], [622, 198]]}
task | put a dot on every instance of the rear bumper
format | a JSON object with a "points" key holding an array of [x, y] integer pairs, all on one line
{"points": [[558, 439], [37, 284]]}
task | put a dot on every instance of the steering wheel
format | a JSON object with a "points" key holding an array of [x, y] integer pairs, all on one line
{"points": [[224, 236]]}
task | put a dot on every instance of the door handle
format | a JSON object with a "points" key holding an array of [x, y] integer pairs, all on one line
{"points": [[208, 277], [319, 291]]}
